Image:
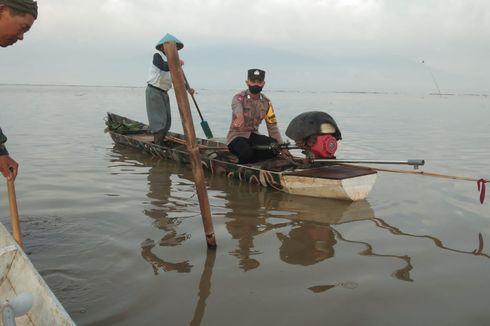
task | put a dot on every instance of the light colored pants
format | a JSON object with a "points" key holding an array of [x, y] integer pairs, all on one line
{"points": [[158, 110]]}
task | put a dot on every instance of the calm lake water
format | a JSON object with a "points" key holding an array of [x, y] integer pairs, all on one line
{"points": [[118, 235]]}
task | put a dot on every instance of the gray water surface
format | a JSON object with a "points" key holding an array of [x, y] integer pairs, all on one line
{"points": [[118, 235]]}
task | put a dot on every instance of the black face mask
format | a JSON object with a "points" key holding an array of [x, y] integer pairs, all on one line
{"points": [[254, 89]]}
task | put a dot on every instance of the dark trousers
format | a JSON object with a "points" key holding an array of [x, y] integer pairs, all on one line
{"points": [[244, 148]]}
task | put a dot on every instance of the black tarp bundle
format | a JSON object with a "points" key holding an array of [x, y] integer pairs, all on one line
{"points": [[308, 124]]}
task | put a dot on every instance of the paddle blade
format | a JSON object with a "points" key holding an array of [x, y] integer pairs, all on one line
{"points": [[206, 129]]}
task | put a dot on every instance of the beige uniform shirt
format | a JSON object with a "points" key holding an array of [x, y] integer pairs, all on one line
{"points": [[254, 111]]}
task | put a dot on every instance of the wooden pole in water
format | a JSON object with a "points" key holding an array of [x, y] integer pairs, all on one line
{"points": [[14, 214], [190, 135]]}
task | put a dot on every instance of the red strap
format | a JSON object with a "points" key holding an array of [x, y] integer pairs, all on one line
{"points": [[482, 192]]}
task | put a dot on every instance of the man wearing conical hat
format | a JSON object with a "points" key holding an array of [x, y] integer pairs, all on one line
{"points": [[158, 83], [16, 18]]}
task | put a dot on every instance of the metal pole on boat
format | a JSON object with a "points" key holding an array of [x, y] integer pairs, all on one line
{"points": [[14, 214], [190, 135], [414, 163]]}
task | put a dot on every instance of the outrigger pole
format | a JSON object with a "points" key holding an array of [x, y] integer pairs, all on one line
{"points": [[414, 163], [278, 147], [176, 72], [481, 183]]}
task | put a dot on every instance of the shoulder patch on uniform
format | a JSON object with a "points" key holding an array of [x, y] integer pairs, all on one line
{"points": [[239, 98], [270, 116]]}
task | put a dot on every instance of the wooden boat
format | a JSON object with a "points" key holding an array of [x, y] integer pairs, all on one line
{"points": [[19, 279], [336, 181]]}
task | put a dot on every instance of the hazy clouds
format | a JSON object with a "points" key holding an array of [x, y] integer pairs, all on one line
{"points": [[364, 45]]}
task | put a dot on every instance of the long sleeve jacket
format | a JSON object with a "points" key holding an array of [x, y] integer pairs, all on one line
{"points": [[3, 139]]}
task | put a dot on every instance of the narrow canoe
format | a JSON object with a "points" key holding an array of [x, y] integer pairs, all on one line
{"points": [[333, 181], [18, 276]]}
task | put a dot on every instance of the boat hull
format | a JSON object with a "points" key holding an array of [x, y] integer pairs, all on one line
{"points": [[356, 188], [18, 275], [350, 183]]}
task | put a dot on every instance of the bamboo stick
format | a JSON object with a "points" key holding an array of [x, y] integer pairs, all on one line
{"points": [[192, 147], [480, 182], [14, 214], [429, 174]]}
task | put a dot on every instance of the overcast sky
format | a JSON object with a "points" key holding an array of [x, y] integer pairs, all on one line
{"points": [[322, 45]]}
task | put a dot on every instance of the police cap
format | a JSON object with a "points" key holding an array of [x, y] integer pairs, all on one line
{"points": [[256, 74]]}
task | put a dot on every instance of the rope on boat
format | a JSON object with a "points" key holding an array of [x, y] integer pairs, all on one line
{"points": [[480, 183]]}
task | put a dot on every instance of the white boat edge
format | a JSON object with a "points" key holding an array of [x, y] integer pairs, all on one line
{"points": [[18, 275], [353, 189]]}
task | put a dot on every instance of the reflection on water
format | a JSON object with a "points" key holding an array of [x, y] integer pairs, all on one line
{"points": [[308, 209], [245, 228], [159, 263], [403, 274], [323, 288], [204, 287], [304, 226], [477, 252], [305, 238], [307, 244], [307, 231], [159, 185], [159, 193]]}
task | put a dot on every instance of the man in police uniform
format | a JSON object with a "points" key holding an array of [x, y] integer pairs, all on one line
{"points": [[16, 18], [249, 108]]}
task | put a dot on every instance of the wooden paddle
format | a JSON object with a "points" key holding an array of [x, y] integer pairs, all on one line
{"points": [[14, 214], [204, 123]]}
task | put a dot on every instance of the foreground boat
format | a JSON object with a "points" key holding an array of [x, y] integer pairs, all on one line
{"points": [[334, 181], [22, 288]]}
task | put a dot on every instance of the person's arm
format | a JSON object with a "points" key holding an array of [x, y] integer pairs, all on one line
{"points": [[160, 63], [8, 167], [163, 65], [271, 122], [3, 139], [237, 109]]}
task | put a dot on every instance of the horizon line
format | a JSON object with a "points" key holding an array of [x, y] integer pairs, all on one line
{"points": [[270, 90]]}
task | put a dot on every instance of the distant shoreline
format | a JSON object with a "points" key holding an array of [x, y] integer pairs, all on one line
{"points": [[268, 91]]}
